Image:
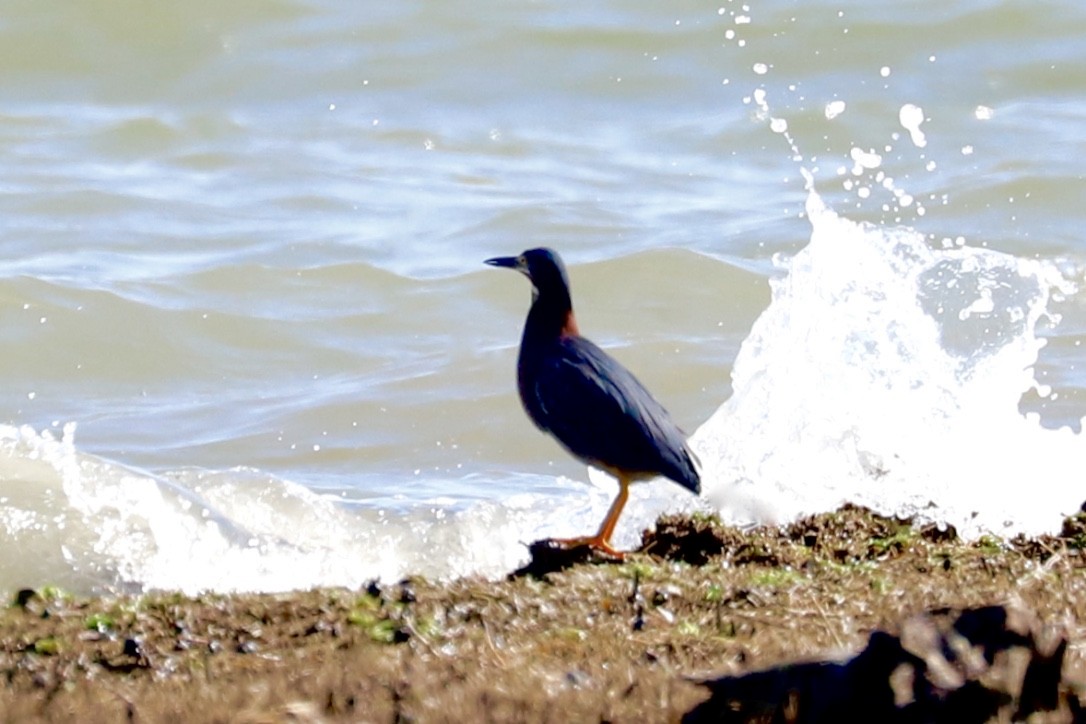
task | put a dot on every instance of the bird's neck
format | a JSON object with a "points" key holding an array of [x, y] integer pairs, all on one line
{"points": [[551, 317]]}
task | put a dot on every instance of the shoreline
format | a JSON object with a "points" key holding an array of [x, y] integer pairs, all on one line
{"points": [[621, 641]]}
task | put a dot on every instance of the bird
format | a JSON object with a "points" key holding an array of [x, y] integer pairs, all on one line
{"points": [[592, 405]]}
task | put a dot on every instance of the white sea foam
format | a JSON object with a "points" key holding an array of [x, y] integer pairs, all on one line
{"points": [[889, 373], [89, 524]]}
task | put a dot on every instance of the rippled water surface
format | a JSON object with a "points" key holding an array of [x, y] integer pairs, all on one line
{"points": [[249, 341]]}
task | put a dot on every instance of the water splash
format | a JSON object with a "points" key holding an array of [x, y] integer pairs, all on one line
{"points": [[889, 373], [884, 372]]}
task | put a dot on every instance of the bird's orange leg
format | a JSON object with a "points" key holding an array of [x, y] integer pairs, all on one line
{"points": [[602, 540]]}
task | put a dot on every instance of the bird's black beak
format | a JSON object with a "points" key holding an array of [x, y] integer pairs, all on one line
{"points": [[508, 262]]}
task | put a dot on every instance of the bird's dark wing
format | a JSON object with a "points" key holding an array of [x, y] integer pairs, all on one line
{"points": [[602, 414]]}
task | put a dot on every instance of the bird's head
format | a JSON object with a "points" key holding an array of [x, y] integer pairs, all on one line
{"points": [[542, 266]]}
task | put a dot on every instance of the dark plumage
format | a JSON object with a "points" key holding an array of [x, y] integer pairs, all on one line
{"points": [[591, 404]]}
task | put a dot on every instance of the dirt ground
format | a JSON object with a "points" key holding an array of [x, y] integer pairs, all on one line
{"points": [[703, 622]]}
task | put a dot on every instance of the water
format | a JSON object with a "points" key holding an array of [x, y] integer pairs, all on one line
{"points": [[250, 343]]}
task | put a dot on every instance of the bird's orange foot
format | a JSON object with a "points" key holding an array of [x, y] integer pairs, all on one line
{"points": [[595, 542]]}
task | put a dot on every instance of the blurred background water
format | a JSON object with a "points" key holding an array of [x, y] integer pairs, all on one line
{"points": [[249, 342]]}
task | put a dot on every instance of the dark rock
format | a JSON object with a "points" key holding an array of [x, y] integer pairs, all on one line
{"points": [[551, 556], [971, 665]]}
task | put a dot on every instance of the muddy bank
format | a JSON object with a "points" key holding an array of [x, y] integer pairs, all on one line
{"points": [[616, 641]]}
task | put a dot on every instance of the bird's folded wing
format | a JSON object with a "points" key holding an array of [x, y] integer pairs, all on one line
{"points": [[604, 415]]}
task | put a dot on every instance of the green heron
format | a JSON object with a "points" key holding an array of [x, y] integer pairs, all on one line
{"points": [[593, 405]]}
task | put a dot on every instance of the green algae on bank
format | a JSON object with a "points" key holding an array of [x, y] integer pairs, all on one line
{"points": [[618, 641]]}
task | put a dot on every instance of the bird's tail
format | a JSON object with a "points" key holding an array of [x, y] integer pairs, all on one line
{"points": [[690, 471]]}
